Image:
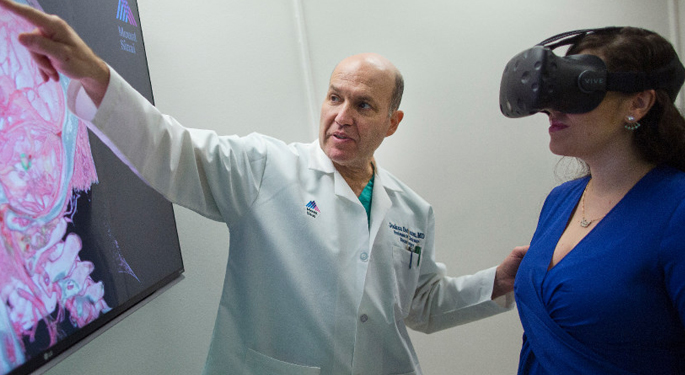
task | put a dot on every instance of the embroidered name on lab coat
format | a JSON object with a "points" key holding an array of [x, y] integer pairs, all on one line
{"points": [[407, 236]]}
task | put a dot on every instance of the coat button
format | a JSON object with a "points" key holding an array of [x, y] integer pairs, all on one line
{"points": [[364, 256], [363, 318]]}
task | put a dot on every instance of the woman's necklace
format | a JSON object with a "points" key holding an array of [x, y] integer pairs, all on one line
{"points": [[584, 222]]}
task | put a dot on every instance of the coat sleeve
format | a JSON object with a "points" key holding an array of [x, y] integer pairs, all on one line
{"points": [[216, 176], [441, 301]]}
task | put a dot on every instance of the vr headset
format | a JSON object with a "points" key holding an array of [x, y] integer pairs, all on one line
{"points": [[538, 80]]}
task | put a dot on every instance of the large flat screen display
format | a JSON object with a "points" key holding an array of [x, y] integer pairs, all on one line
{"points": [[82, 238]]}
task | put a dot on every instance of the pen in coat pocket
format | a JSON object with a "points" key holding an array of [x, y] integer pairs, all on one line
{"points": [[417, 251]]}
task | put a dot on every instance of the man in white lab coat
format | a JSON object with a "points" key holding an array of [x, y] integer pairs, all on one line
{"points": [[331, 257]]}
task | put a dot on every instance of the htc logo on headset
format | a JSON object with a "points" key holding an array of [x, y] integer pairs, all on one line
{"points": [[590, 81]]}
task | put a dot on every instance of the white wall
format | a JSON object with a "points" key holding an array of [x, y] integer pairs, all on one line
{"points": [[237, 67]]}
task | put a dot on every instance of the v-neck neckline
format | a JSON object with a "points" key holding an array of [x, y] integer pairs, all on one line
{"points": [[572, 210]]}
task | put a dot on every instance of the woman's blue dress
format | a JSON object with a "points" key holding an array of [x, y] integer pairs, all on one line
{"points": [[616, 303]]}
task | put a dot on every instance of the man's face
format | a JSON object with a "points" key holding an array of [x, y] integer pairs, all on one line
{"points": [[355, 116]]}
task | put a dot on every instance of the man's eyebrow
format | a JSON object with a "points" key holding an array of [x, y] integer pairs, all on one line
{"points": [[365, 98], [335, 89], [359, 98]]}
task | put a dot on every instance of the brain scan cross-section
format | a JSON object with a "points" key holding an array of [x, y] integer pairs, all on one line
{"points": [[45, 163]]}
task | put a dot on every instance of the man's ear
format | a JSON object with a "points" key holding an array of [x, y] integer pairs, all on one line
{"points": [[395, 120]]}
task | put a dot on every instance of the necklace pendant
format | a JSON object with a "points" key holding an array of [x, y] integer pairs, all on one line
{"points": [[584, 223]]}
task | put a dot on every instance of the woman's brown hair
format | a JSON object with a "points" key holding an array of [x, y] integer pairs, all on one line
{"points": [[661, 138]]}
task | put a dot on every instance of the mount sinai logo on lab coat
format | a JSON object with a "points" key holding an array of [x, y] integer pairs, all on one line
{"points": [[312, 209]]}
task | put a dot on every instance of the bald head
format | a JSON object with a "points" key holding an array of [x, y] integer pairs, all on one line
{"points": [[382, 71]]}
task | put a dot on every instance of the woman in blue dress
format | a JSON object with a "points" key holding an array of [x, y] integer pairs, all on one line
{"points": [[602, 288]]}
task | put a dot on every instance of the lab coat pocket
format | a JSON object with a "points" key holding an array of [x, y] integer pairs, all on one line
{"points": [[406, 266], [259, 364]]}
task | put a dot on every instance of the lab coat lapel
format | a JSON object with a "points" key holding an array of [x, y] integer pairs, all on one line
{"points": [[381, 202], [318, 160], [380, 205], [321, 162]]}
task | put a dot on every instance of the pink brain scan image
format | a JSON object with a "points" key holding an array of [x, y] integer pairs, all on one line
{"points": [[45, 164]]}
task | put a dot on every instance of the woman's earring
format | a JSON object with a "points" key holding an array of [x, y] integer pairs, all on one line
{"points": [[631, 124]]}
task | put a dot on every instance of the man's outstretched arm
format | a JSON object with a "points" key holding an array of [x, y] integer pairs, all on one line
{"points": [[57, 48]]}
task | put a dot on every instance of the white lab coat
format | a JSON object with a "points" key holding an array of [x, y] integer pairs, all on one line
{"points": [[311, 287]]}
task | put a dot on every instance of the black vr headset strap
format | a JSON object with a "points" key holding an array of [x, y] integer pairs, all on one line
{"points": [[669, 77], [560, 38], [627, 81], [570, 37]]}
